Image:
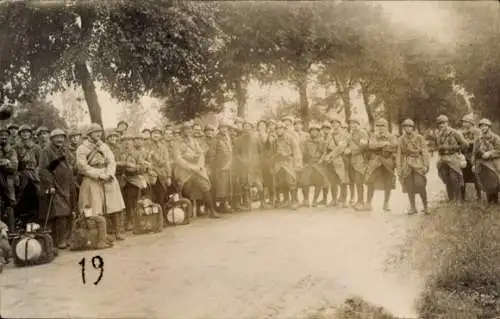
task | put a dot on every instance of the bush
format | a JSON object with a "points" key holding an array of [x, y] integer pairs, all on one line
{"points": [[353, 308], [458, 249]]}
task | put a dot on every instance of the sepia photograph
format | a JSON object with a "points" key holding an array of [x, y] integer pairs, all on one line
{"points": [[249, 159]]}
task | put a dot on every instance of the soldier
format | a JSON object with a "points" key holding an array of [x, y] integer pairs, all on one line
{"points": [[382, 147], [356, 163], [470, 132], [287, 162], [325, 131], [42, 136], [57, 184], [315, 173], [191, 172], [122, 128], [28, 155], [160, 161], [449, 143], [74, 139], [236, 166], [222, 167], [99, 192], [210, 143], [8, 170], [265, 159], [412, 164], [486, 160], [250, 173], [334, 159], [13, 136]]}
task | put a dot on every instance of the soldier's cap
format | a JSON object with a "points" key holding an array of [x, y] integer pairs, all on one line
{"points": [[4, 129], [186, 125], [408, 122], [121, 122], [74, 131], [326, 124], [381, 122], [485, 121], [127, 137], [272, 122], [314, 126], [354, 120], [146, 130], [42, 129], [281, 124], [469, 118], [298, 121], [335, 118], [12, 125], [288, 118], [112, 132], [57, 132], [94, 127], [210, 127], [156, 129], [23, 128], [441, 119], [262, 121]]}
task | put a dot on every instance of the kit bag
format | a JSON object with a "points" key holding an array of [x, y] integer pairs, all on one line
{"points": [[85, 233], [178, 210], [149, 217], [33, 248]]}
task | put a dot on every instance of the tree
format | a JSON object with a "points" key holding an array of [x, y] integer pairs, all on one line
{"points": [[131, 47], [74, 111], [39, 113], [135, 115]]}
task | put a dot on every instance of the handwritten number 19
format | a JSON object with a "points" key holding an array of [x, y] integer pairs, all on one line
{"points": [[97, 263]]}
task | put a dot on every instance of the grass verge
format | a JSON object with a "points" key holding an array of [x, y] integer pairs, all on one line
{"points": [[457, 249]]}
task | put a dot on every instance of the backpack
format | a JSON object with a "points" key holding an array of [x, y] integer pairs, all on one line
{"points": [[85, 234], [149, 217]]}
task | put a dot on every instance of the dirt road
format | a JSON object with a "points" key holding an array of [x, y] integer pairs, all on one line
{"points": [[270, 264]]}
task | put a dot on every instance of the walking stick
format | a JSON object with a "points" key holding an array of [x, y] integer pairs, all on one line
{"points": [[49, 210]]}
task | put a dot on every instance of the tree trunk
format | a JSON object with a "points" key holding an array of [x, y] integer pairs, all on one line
{"points": [[368, 107], [388, 112], [344, 90], [241, 98], [85, 79], [304, 103]]}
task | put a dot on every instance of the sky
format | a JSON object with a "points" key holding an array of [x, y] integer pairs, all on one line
{"points": [[428, 17]]}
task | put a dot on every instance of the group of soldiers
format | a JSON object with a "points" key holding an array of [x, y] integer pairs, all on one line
{"points": [[224, 168]]}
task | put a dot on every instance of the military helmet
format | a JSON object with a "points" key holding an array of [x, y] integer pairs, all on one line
{"points": [[210, 127], [469, 118], [262, 121], [442, 119], [408, 122], [485, 121], [94, 127], [145, 130], [381, 122], [288, 118], [74, 131], [314, 126], [121, 122], [42, 129], [11, 126], [326, 124], [354, 120], [127, 137], [57, 132], [112, 132], [156, 129], [24, 127], [335, 118]]}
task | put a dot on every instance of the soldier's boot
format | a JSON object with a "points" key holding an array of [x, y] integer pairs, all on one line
{"points": [[478, 190], [247, 201], [463, 193], [102, 242], [11, 218], [305, 192], [387, 197], [262, 200], [295, 200], [207, 199], [352, 189], [425, 203], [286, 199], [360, 190], [413, 209], [324, 200], [115, 217], [61, 235]]}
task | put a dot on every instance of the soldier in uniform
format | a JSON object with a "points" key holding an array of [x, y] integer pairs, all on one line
{"points": [[450, 143], [113, 139], [236, 166], [470, 132], [334, 158], [302, 135], [121, 128], [191, 172], [8, 170], [160, 162], [28, 155], [325, 130], [287, 162], [57, 182], [486, 161], [265, 159], [314, 173], [210, 143], [222, 167], [42, 136], [355, 155], [74, 139], [382, 147], [13, 136], [99, 192], [250, 170], [413, 160]]}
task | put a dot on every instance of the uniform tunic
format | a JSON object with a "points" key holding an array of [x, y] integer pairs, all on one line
{"points": [[412, 158], [487, 169], [8, 173], [449, 143], [470, 135], [382, 151], [222, 167], [287, 161], [357, 142], [249, 159], [314, 172], [336, 144], [94, 159]]}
